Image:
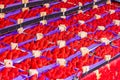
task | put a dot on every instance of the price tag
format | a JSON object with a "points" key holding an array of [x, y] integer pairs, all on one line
{"points": [[62, 27], [14, 45], [107, 57], [2, 15], [43, 22], [81, 22], [111, 11], [61, 43], [33, 72], [36, 53], [108, 2], [84, 50], [95, 6], [116, 22], [80, 4], [80, 11], [25, 1], [63, 10], [43, 14], [119, 33], [61, 61], [20, 20], [97, 16], [64, 1], [47, 5], [2, 6], [85, 69], [98, 75], [25, 8], [105, 40], [82, 34], [8, 63], [101, 28], [63, 17], [39, 36], [20, 30]]}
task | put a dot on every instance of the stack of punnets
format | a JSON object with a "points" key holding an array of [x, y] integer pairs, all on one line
{"points": [[59, 40]]}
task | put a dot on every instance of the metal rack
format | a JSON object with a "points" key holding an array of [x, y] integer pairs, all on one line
{"points": [[47, 17]]}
